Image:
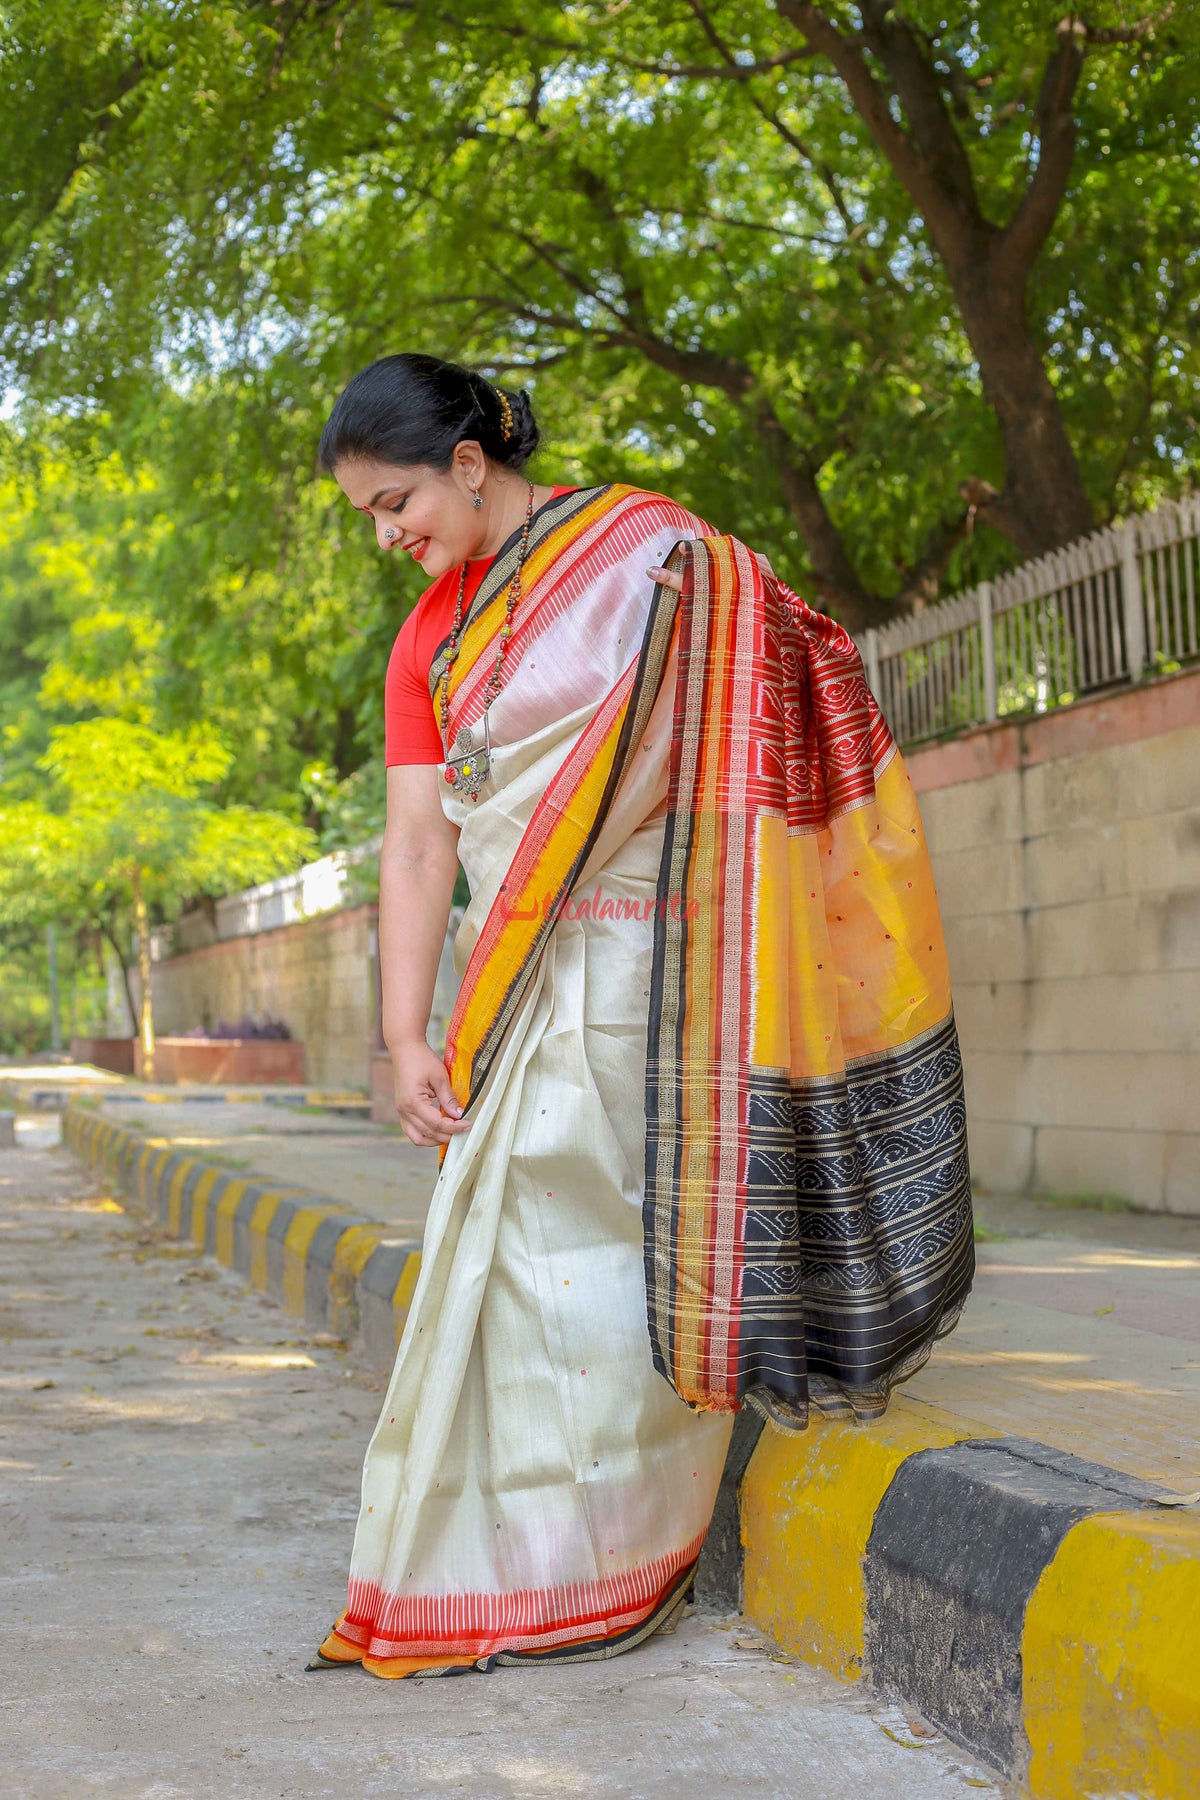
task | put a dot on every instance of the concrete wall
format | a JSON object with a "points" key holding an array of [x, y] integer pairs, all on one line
{"points": [[318, 976], [1067, 854]]}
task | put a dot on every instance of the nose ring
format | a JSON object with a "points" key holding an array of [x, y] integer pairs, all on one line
{"points": [[388, 536]]}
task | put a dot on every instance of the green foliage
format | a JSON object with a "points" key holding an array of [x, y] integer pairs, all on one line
{"points": [[351, 811], [677, 224], [25, 1026], [140, 586], [127, 812], [717, 279], [24, 996]]}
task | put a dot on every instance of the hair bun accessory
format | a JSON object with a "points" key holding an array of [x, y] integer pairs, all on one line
{"points": [[506, 418]]}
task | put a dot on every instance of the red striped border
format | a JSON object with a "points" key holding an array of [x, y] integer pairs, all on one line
{"points": [[478, 1624]]}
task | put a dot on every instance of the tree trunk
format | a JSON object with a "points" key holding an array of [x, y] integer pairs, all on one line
{"points": [[885, 61], [1044, 504], [142, 923], [120, 956]]}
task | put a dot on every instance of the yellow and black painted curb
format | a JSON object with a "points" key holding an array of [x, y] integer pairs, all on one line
{"points": [[336, 1269], [1040, 1609]]}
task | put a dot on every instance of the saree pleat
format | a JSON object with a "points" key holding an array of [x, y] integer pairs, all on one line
{"points": [[695, 1152]]}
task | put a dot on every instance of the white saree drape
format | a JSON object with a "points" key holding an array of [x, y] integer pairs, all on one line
{"points": [[533, 1484]]}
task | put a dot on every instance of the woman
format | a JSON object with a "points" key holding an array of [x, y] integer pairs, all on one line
{"points": [[699, 1120]]}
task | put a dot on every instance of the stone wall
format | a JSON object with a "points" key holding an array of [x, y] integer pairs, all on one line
{"points": [[318, 976], [1067, 855]]}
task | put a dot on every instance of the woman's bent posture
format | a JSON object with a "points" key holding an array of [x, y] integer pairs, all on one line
{"points": [[700, 1116]]}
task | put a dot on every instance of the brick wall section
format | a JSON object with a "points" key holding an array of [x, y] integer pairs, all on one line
{"points": [[317, 976], [1067, 854]]}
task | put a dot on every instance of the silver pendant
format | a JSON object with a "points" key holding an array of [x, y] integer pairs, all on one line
{"points": [[471, 764]]}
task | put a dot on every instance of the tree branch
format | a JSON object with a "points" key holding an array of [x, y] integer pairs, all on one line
{"points": [[983, 500], [1136, 33], [1037, 210], [834, 578], [931, 164], [920, 582], [931, 129], [726, 71], [834, 581]]}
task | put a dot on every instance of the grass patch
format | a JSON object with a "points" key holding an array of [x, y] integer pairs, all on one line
{"points": [[226, 1162], [1103, 1203]]}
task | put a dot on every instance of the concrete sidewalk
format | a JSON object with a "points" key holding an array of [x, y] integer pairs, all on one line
{"points": [[1082, 1331], [995, 1551], [370, 1168], [180, 1477]]}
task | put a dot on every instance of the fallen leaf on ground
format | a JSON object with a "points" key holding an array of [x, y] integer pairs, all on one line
{"points": [[1176, 1499]]}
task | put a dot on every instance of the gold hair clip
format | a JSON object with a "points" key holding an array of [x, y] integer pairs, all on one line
{"points": [[506, 418]]}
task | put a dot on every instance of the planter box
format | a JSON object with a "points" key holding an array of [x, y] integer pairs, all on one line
{"points": [[115, 1054], [258, 1062]]}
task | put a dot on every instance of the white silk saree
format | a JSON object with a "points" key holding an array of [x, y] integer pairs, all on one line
{"points": [[709, 1160]]}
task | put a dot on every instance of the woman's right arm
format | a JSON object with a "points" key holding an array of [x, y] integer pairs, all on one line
{"points": [[418, 865]]}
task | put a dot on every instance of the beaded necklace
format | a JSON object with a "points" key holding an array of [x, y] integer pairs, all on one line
{"points": [[471, 764]]}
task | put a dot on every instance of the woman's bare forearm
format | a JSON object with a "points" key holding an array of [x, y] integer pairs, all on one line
{"points": [[416, 885]]}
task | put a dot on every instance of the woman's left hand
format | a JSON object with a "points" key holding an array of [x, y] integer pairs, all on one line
{"points": [[668, 578]]}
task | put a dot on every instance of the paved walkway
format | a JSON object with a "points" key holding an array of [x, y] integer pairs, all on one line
{"points": [[370, 1167], [1083, 1330], [179, 1468]]}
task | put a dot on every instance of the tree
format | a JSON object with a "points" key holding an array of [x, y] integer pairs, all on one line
{"points": [[860, 272], [185, 579], [127, 830], [26, 1027]]}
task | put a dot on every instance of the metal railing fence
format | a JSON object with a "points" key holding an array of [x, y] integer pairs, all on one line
{"points": [[1105, 610]]}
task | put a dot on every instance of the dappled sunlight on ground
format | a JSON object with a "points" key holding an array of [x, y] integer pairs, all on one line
{"points": [[1086, 1345]]}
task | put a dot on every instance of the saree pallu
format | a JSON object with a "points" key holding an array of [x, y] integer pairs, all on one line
{"points": [[535, 1490], [808, 1217]]}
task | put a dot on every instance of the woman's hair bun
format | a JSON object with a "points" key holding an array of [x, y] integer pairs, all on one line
{"points": [[525, 434], [412, 409]]}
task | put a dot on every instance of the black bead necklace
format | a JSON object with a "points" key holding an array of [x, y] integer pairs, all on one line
{"points": [[471, 764]]}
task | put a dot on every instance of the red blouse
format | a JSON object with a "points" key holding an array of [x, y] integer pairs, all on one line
{"points": [[411, 730]]}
